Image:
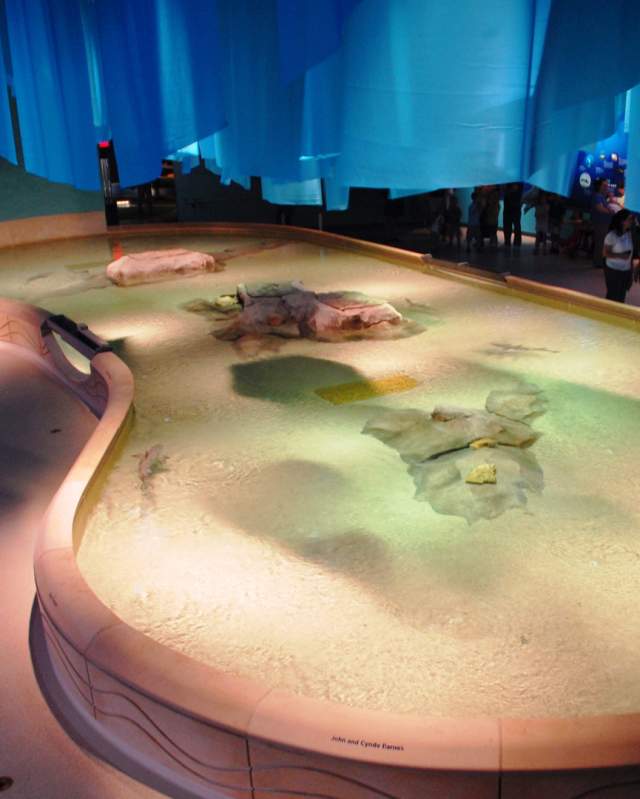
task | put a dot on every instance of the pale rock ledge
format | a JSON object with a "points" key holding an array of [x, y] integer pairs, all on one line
{"points": [[156, 265]]}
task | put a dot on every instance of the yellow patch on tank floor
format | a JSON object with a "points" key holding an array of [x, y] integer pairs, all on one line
{"points": [[366, 389]]}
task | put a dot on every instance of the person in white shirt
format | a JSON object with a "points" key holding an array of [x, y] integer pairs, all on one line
{"points": [[618, 256]]}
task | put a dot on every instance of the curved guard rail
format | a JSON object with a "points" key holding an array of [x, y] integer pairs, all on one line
{"points": [[29, 327], [75, 333]]}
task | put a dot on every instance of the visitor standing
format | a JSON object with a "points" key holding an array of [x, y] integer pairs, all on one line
{"points": [[616, 198], [557, 210], [601, 216], [452, 217], [491, 214], [618, 256], [511, 212], [539, 200], [474, 228]]}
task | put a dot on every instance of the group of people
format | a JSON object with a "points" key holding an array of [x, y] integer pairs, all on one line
{"points": [[549, 212], [611, 230], [484, 210], [483, 215], [614, 231], [444, 217]]}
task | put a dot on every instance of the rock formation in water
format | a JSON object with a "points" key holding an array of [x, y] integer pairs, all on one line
{"points": [[469, 463], [156, 265], [522, 404], [291, 311], [483, 473]]}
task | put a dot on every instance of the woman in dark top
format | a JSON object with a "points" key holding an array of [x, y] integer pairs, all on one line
{"points": [[600, 218]]}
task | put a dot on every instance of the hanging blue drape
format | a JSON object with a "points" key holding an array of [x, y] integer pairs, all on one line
{"points": [[409, 95], [7, 143], [579, 92], [51, 85], [162, 78], [632, 184], [260, 137], [309, 31], [438, 110]]}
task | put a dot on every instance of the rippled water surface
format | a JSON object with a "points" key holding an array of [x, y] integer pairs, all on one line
{"points": [[271, 539]]}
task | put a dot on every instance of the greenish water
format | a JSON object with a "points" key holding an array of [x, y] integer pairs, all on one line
{"points": [[272, 539]]}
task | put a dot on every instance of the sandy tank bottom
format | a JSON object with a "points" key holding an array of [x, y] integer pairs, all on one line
{"points": [[274, 540]]}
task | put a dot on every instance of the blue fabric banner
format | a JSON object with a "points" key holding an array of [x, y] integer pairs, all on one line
{"points": [[7, 143], [411, 95], [632, 186], [309, 31], [163, 84], [51, 85]]}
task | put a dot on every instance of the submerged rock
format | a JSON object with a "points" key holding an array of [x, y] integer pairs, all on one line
{"points": [[156, 265], [519, 403], [226, 303], [465, 462], [441, 482], [289, 310], [483, 442], [252, 292], [483, 473], [418, 436]]}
